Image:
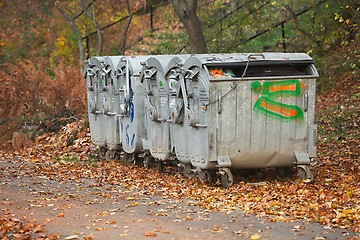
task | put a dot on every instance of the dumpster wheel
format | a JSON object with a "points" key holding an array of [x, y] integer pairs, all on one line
{"points": [[284, 173], [207, 176], [112, 155], [304, 172], [148, 161], [109, 155], [188, 170], [102, 153], [227, 179], [128, 159], [160, 166]]}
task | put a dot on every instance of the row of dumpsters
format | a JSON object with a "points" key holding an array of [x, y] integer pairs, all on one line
{"points": [[206, 113]]}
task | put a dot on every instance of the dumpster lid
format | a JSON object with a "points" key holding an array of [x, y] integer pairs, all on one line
{"points": [[254, 65], [134, 63], [234, 59]]}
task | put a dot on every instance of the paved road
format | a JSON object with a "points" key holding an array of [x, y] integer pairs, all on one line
{"points": [[85, 209]]}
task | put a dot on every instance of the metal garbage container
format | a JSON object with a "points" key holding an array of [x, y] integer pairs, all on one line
{"points": [[178, 102], [111, 125], [96, 99], [157, 107], [250, 111], [131, 106]]}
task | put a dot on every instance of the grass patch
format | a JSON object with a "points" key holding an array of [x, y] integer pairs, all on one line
{"points": [[93, 160]]}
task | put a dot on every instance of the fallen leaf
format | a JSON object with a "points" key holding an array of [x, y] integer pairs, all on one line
{"points": [[255, 237], [71, 237], [150, 234]]}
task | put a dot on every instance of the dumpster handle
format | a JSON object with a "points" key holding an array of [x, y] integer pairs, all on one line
{"points": [[305, 101], [183, 89], [253, 56], [119, 72], [104, 71], [90, 72]]}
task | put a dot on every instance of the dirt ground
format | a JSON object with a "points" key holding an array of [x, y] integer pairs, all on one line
{"points": [[41, 207]]}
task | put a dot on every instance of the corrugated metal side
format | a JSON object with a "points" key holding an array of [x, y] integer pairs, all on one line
{"points": [[111, 127], [312, 127], [258, 139]]}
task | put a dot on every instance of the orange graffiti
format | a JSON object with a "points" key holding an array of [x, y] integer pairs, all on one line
{"points": [[292, 87], [286, 112]]}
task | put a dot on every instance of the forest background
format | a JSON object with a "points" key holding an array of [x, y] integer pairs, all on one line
{"points": [[40, 42], [43, 45]]}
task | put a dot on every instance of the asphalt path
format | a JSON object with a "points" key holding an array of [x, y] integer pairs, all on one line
{"points": [[89, 210]]}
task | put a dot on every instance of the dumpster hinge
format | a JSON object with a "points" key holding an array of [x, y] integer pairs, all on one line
{"points": [[302, 158]]}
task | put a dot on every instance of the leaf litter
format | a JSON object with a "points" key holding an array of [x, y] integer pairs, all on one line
{"points": [[332, 199]]}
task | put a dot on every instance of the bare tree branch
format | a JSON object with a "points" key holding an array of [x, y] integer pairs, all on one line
{"points": [[84, 9], [75, 29], [96, 24], [126, 29]]}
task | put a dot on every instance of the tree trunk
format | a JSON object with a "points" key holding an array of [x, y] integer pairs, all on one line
{"points": [[126, 29], [186, 11]]}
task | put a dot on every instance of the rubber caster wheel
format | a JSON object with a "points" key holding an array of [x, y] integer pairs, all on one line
{"points": [[188, 170], [203, 176], [284, 173], [148, 161], [108, 155], [207, 176], [181, 168], [128, 159], [111, 155], [160, 166], [301, 174], [102, 153], [227, 179], [117, 156]]}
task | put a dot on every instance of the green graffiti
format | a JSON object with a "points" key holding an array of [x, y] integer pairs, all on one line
{"points": [[270, 91]]}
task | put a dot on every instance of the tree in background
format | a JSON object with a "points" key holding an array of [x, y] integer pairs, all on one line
{"points": [[186, 11], [70, 16]]}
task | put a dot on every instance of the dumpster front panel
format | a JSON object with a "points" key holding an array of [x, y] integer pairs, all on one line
{"points": [[263, 122], [157, 107], [132, 124], [95, 100], [112, 124], [197, 90], [177, 105]]}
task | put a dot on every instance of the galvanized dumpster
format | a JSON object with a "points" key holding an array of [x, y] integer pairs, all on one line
{"points": [[178, 104], [97, 99], [250, 111], [112, 125], [212, 112], [157, 112], [131, 106]]}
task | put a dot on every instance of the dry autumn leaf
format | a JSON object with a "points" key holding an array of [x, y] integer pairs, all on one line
{"points": [[61, 215], [150, 234], [255, 237]]}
